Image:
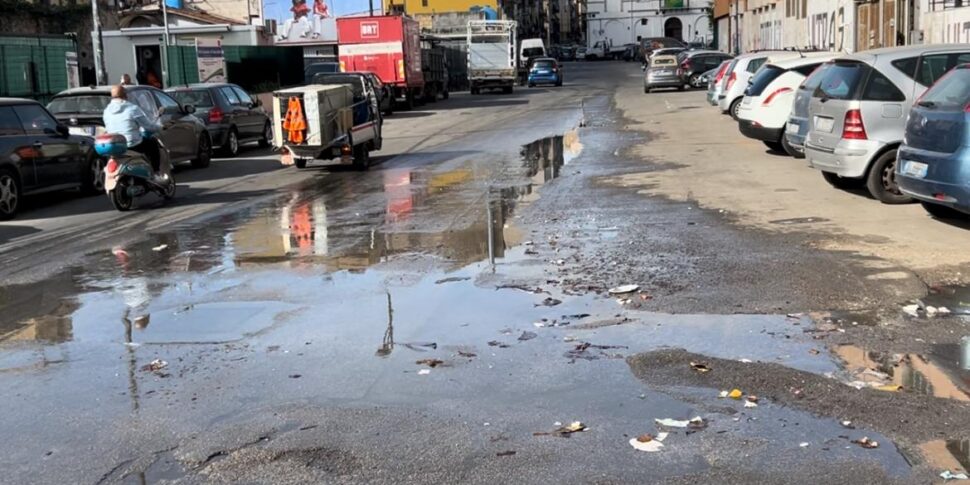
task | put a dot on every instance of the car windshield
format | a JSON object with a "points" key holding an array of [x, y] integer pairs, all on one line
{"points": [[199, 98], [814, 79], [763, 78], [544, 65], [353, 81], [80, 104], [952, 92], [841, 81], [532, 52]]}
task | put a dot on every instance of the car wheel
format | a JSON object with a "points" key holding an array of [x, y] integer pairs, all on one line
{"points": [[267, 138], [9, 194], [300, 162], [841, 182], [943, 212], [204, 154], [881, 181], [445, 94], [734, 108], [774, 146], [532, 85], [695, 81], [474, 91], [231, 148], [646, 90], [93, 179], [361, 157], [790, 150]]}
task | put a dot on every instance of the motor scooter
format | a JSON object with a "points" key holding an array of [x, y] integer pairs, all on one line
{"points": [[129, 175]]}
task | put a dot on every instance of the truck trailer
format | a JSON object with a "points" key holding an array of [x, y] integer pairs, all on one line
{"points": [[388, 46], [491, 55]]}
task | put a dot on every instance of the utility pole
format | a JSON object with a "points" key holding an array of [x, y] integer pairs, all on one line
{"points": [[371, 8], [165, 48], [99, 71]]}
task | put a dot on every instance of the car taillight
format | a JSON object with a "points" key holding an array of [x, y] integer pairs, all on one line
{"points": [[343, 66], [771, 97], [966, 109], [111, 166], [854, 129], [730, 81], [215, 115], [400, 68], [720, 74], [685, 65]]}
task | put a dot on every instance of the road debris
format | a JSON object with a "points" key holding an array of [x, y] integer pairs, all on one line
{"points": [[564, 431], [700, 367], [527, 336], [550, 301], [469, 355], [648, 443], [430, 362], [424, 372], [803, 444], [847, 424], [295, 376], [496, 343], [505, 453], [866, 443], [735, 394], [581, 351], [453, 279], [421, 346], [160, 247], [696, 422], [155, 365], [947, 475], [624, 289]]}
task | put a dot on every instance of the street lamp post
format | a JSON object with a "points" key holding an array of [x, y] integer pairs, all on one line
{"points": [[99, 71]]}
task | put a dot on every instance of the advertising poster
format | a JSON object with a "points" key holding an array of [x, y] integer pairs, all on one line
{"points": [[212, 62]]}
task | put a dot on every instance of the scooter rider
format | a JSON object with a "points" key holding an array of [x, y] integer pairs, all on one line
{"points": [[127, 119]]}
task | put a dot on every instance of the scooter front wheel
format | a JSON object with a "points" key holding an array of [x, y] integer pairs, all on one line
{"points": [[121, 197], [169, 192]]}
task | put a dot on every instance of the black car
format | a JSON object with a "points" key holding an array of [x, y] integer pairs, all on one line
{"points": [[38, 154], [183, 134], [384, 96], [318, 68], [231, 116], [693, 64]]}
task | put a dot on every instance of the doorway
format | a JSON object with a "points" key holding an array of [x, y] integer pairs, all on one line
{"points": [[674, 28], [148, 60]]}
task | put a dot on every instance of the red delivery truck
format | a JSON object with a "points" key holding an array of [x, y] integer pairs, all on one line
{"points": [[388, 46]]}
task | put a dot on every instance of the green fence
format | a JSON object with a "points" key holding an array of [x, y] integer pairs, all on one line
{"points": [[256, 69], [34, 66]]}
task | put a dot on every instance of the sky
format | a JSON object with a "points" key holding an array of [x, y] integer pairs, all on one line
{"points": [[280, 9]]}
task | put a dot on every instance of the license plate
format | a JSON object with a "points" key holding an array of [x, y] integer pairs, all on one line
{"points": [[542, 72], [915, 169], [81, 130], [824, 124], [792, 127]]}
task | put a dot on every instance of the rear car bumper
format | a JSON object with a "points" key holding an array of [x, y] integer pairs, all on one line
{"points": [[946, 182], [752, 129], [218, 135], [849, 158], [544, 79], [796, 139], [663, 82]]}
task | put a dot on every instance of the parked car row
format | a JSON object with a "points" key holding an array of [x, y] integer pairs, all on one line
{"points": [[677, 67], [892, 121]]}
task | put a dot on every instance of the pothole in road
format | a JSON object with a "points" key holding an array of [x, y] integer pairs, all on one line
{"points": [[911, 373]]}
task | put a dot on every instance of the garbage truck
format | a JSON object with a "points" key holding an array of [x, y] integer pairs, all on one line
{"points": [[492, 59]]}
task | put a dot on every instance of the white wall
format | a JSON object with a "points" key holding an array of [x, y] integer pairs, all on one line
{"points": [[947, 26], [621, 21]]}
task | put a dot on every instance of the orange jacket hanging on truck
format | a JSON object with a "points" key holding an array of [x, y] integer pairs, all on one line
{"points": [[294, 123]]}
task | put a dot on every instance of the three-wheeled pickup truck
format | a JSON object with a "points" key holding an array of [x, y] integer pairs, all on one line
{"points": [[337, 123]]}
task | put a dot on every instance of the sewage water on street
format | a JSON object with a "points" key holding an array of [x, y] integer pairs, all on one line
{"points": [[401, 292]]}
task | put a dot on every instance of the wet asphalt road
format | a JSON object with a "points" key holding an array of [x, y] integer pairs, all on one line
{"points": [[291, 316]]}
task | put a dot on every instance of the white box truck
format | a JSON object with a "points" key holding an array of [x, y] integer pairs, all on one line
{"points": [[491, 55]]}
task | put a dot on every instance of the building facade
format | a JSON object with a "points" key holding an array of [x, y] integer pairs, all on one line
{"points": [[618, 22], [942, 21]]}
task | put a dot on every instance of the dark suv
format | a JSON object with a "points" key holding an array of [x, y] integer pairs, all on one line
{"points": [[183, 135], [230, 114], [38, 154]]}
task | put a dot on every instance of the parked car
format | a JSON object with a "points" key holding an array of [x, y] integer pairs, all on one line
{"points": [[695, 63], [581, 54], [650, 44], [320, 67], [231, 116], [716, 84], [797, 127], [738, 74], [666, 51], [767, 104], [38, 154], [385, 98], [858, 113], [934, 160], [662, 73], [545, 70], [567, 53], [183, 134]]}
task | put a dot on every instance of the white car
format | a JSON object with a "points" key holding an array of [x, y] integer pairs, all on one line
{"points": [[764, 110], [738, 74]]}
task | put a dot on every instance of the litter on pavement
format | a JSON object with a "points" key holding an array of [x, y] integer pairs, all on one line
{"points": [[867, 443], [430, 362], [564, 431], [155, 365], [697, 422], [624, 289], [948, 475], [648, 443]]}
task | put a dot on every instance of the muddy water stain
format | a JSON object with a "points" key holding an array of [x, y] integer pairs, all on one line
{"points": [[954, 298], [953, 455], [908, 372]]}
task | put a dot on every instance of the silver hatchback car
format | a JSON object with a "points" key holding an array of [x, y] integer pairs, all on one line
{"points": [[857, 114]]}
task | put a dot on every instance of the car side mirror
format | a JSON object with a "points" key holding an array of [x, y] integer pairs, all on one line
{"points": [[188, 109], [61, 130]]}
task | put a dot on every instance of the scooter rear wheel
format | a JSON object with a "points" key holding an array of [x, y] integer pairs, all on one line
{"points": [[169, 192], [121, 198]]}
